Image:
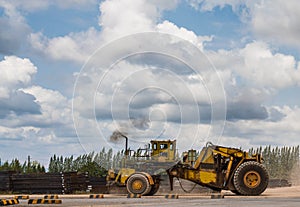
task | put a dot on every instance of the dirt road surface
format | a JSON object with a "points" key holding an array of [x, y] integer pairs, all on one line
{"points": [[287, 196]]}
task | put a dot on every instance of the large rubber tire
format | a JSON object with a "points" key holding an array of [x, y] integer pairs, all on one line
{"points": [[138, 184], [251, 178], [154, 189]]}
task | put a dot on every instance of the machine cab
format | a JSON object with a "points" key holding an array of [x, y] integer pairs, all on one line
{"points": [[163, 150]]}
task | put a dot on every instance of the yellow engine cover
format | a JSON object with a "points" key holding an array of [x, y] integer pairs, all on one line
{"points": [[125, 173], [203, 176], [208, 177]]}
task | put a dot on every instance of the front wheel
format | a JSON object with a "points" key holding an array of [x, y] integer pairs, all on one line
{"points": [[138, 184], [251, 178]]}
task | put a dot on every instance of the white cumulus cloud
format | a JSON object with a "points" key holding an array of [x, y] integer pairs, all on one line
{"points": [[269, 69], [30, 115], [273, 21], [15, 72], [151, 95], [258, 65]]}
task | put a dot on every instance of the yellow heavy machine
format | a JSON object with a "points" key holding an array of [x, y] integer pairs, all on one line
{"points": [[223, 168], [140, 170]]}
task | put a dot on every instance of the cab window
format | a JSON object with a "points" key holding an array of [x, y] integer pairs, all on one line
{"points": [[163, 146], [154, 146]]}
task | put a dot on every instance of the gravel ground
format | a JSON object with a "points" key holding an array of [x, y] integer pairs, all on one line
{"points": [[289, 196]]}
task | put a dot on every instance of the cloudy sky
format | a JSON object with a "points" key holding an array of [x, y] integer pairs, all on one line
{"points": [[74, 71]]}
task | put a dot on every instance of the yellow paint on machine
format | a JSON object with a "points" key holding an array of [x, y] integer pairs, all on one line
{"points": [[208, 177], [125, 173], [203, 176], [150, 179]]}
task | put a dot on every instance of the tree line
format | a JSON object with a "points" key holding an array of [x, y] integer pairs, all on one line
{"points": [[278, 161], [27, 167], [96, 164]]}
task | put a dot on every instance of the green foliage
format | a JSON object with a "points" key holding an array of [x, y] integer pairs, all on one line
{"points": [[96, 164], [16, 166], [279, 161]]}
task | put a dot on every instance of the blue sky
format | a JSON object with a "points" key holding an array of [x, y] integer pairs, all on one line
{"points": [[61, 21], [223, 23], [47, 49]]}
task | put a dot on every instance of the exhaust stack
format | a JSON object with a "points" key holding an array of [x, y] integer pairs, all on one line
{"points": [[126, 145], [117, 136]]}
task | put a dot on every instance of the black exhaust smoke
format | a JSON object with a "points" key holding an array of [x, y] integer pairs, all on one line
{"points": [[117, 136]]}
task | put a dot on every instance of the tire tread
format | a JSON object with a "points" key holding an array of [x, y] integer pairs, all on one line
{"points": [[238, 178], [143, 178]]}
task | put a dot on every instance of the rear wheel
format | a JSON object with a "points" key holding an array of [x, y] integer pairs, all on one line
{"points": [[138, 184], [154, 189], [251, 178]]}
